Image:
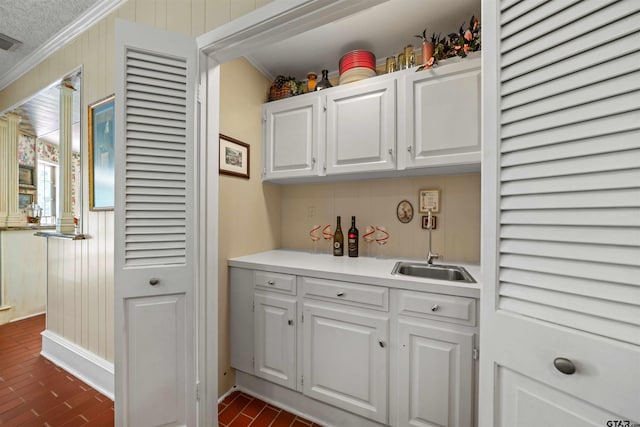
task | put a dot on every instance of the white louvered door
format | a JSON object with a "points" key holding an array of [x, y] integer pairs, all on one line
{"points": [[154, 223], [561, 213]]}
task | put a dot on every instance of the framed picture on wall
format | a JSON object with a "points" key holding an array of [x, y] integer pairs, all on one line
{"points": [[234, 157], [24, 200], [101, 154], [26, 176]]}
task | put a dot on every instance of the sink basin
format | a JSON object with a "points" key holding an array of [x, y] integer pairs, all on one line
{"points": [[452, 273]]}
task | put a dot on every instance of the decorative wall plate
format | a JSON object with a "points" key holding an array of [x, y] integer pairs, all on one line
{"points": [[404, 211]]}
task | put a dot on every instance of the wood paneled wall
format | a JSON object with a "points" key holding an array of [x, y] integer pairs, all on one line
{"points": [[80, 273]]}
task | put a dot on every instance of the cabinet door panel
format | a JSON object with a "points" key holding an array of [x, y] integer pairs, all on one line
{"points": [[361, 127], [275, 335], [443, 117], [292, 132], [346, 359], [435, 371], [526, 402]]}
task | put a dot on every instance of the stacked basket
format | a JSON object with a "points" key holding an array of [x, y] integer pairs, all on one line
{"points": [[357, 65]]}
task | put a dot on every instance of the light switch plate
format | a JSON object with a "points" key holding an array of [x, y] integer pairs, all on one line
{"points": [[429, 201]]}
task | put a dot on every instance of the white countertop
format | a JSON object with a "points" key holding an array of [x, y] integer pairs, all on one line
{"points": [[373, 271]]}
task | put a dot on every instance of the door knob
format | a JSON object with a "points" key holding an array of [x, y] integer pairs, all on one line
{"points": [[435, 308], [340, 294], [154, 281], [564, 365]]}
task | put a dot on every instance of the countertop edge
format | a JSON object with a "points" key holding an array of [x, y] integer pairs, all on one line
{"points": [[289, 262]]}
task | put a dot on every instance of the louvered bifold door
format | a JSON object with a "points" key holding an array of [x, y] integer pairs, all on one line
{"points": [[155, 218], [567, 277]]}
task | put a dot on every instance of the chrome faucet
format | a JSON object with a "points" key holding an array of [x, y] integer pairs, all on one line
{"points": [[430, 255]]}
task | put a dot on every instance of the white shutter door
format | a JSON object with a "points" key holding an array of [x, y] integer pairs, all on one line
{"points": [[562, 155], [154, 221]]}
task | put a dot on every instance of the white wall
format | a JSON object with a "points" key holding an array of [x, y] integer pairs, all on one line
{"points": [[23, 274]]}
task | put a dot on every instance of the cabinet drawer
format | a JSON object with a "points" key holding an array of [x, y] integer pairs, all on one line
{"points": [[276, 282], [446, 308], [368, 296]]}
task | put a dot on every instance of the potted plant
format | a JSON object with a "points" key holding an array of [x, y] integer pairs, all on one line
{"points": [[428, 46], [456, 44]]}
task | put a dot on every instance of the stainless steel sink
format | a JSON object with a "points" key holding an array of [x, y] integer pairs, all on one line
{"points": [[452, 273]]}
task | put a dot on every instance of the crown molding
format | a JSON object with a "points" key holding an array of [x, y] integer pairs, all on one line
{"points": [[57, 42]]}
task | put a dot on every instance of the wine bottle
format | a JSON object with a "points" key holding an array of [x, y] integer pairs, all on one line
{"points": [[338, 240], [353, 238], [324, 83]]}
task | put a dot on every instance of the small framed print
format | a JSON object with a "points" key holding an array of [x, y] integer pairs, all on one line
{"points": [[26, 176], [429, 201], [234, 157], [404, 211], [24, 200]]}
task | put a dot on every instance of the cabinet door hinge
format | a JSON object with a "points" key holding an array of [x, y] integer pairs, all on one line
{"points": [[253, 362], [302, 319], [253, 306], [301, 379], [197, 391], [476, 354]]}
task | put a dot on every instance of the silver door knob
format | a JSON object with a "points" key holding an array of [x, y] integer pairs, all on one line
{"points": [[154, 281], [435, 308], [271, 282], [340, 294], [290, 322], [381, 343], [564, 365]]}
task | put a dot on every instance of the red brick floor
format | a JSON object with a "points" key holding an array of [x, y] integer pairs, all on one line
{"points": [[35, 392], [240, 410]]}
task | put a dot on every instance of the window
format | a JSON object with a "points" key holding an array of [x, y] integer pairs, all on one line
{"points": [[47, 176]]}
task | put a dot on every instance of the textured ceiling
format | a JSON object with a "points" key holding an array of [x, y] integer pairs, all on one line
{"points": [[33, 22]]}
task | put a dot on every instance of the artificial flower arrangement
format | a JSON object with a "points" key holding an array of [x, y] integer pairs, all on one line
{"points": [[455, 44]]}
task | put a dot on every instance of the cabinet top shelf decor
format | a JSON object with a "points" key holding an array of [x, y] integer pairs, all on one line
{"points": [[397, 124]]}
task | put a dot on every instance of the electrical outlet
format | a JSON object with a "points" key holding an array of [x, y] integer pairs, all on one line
{"points": [[311, 212], [425, 220]]}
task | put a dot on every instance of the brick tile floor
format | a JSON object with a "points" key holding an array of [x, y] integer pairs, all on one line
{"points": [[35, 392]]}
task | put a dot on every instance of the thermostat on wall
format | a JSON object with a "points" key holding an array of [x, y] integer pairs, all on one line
{"points": [[429, 201]]}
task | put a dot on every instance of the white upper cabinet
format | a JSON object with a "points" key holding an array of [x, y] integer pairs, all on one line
{"points": [[292, 135], [398, 124], [441, 116], [361, 127]]}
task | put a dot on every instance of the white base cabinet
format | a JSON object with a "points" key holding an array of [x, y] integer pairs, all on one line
{"points": [[390, 356], [435, 375], [346, 361], [275, 338]]}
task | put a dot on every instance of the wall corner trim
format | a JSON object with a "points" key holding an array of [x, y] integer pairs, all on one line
{"points": [[92, 15], [86, 366]]}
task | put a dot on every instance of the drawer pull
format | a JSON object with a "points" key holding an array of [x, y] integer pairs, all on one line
{"points": [[382, 344], [271, 282], [435, 308], [564, 365], [154, 281], [340, 294], [290, 322]]}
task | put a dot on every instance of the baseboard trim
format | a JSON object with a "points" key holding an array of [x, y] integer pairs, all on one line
{"points": [[86, 366], [28, 316]]}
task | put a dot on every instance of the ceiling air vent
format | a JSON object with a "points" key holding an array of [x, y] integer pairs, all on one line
{"points": [[8, 43]]}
